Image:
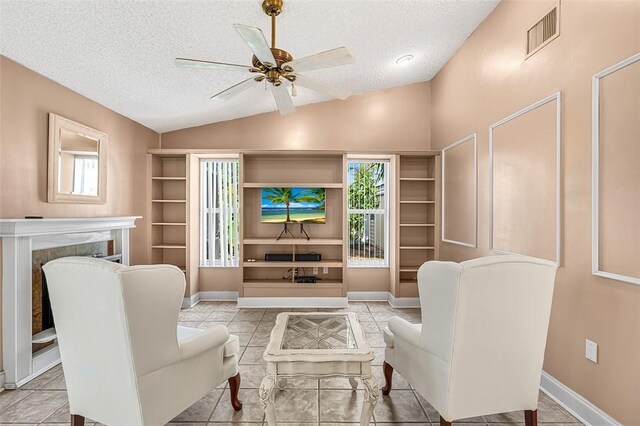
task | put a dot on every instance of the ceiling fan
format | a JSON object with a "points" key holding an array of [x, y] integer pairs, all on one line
{"points": [[275, 65]]}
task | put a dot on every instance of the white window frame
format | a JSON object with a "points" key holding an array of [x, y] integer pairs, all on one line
{"points": [[385, 211], [208, 253]]}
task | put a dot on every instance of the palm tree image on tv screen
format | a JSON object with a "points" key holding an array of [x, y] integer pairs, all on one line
{"points": [[293, 205]]}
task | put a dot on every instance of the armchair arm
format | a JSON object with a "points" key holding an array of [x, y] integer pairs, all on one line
{"points": [[203, 341], [404, 330]]}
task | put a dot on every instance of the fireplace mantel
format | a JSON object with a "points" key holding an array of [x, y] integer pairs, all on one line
{"points": [[20, 237], [53, 226]]}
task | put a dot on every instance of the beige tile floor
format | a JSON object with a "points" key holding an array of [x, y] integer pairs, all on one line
{"points": [[325, 402]]}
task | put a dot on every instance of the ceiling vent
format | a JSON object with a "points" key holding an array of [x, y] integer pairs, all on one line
{"points": [[544, 31]]}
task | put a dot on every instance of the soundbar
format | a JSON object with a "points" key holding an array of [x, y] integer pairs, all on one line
{"points": [[307, 279], [288, 257]]}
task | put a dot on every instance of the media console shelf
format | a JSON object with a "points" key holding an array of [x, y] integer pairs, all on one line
{"points": [[262, 278]]}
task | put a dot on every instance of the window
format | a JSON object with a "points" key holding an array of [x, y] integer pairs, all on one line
{"points": [[368, 207], [219, 245]]}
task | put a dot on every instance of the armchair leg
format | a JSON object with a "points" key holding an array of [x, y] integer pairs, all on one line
{"points": [[77, 420], [531, 417], [234, 387], [388, 378], [443, 422]]}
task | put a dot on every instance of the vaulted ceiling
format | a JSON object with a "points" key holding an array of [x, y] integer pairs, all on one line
{"points": [[120, 53]]}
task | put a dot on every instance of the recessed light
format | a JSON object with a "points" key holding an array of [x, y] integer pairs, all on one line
{"points": [[404, 60]]}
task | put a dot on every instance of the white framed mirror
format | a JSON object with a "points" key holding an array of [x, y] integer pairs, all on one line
{"points": [[77, 162]]}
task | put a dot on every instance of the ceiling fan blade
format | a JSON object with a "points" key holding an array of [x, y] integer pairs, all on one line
{"points": [[327, 59], [283, 100], [235, 90], [257, 43], [322, 87], [197, 63]]}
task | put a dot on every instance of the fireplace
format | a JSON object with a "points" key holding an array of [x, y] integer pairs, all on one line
{"points": [[42, 326], [28, 339]]}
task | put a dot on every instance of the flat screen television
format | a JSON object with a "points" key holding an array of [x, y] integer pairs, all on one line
{"points": [[293, 205]]}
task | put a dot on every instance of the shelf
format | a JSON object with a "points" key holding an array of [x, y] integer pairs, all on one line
{"points": [[169, 224], [418, 224], [294, 241], [291, 185], [320, 264], [169, 178], [168, 201], [288, 284], [409, 268], [418, 179], [408, 281], [416, 202], [417, 248], [169, 246]]}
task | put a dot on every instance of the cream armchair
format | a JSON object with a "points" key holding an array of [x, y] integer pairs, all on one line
{"points": [[126, 361], [480, 347]]}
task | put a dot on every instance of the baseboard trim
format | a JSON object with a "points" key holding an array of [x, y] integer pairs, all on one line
{"points": [[218, 296], [190, 302], [574, 403], [300, 302], [404, 302], [292, 302], [368, 296]]}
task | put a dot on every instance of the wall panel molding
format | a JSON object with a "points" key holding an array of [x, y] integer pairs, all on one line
{"points": [[471, 138], [557, 98], [595, 208]]}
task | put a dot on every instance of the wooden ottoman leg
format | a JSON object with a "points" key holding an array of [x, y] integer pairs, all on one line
{"points": [[388, 378], [234, 387]]}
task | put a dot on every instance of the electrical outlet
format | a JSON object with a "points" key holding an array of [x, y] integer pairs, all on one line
{"points": [[325, 270], [591, 350], [315, 270]]}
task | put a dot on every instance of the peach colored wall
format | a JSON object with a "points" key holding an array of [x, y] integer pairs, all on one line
{"points": [[397, 118], [26, 98], [488, 79]]}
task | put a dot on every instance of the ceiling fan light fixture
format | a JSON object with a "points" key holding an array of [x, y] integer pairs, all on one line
{"points": [[404, 59]]}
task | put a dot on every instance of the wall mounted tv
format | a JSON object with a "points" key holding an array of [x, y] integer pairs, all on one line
{"points": [[293, 205]]}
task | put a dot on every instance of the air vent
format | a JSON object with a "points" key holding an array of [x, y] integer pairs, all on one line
{"points": [[545, 30]]}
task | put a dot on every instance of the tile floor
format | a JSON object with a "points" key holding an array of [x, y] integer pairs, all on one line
{"points": [[324, 402]]}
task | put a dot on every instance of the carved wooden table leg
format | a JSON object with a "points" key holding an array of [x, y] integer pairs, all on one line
{"points": [[282, 383], [371, 394], [267, 399], [353, 382]]}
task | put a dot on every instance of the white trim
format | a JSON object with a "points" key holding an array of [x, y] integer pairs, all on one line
{"points": [[554, 97], [368, 296], [218, 296], [74, 225], [292, 302], [595, 187], [404, 302], [474, 138], [190, 302], [574, 403]]}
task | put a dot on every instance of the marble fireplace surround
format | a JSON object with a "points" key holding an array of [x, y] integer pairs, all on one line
{"points": [[20, 238]]}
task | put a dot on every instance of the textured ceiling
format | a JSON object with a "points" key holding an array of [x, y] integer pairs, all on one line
{"points": [[120, 53]]}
